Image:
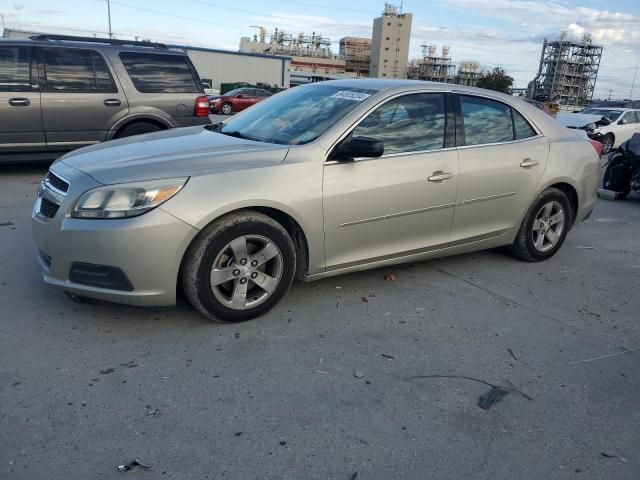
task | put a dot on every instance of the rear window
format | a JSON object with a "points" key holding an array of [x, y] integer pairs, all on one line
{"points": [[14, 68], [152, 73], [76, 70]]}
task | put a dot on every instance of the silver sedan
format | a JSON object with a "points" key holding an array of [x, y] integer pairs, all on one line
{"points": [[316, 181]]}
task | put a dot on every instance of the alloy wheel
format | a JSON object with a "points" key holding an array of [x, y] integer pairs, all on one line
{"points": [[548, 226], [246, 272]]}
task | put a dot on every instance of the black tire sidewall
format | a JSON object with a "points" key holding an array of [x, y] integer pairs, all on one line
{"points": [[551, 195], [138, 128], [217, 242]]}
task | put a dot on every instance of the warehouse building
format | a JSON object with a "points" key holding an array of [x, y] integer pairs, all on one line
{"points": [[216, 66]]}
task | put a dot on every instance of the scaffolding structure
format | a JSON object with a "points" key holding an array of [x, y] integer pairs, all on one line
{"points": [[440, 68], [356, 52], [568, 71]]}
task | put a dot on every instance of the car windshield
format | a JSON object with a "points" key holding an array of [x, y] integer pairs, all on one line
{"points": [[610, 115], [233, 92], [296, 116]]}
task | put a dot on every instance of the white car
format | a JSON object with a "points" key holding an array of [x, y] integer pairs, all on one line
{"points": [[624, 123]]}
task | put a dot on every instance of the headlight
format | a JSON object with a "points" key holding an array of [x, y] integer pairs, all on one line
{"points": [[126, 199]]}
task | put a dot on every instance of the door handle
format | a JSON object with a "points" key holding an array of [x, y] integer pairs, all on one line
{"points": [[112, 102], [440, 176], [528, 163], [19, 102]]}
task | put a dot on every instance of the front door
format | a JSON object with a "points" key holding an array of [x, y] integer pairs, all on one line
{"points": [[502, 159], [80, 98], [401, 203], [21, 124], [625, 130]]}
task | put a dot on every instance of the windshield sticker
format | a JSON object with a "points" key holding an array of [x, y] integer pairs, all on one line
{"points": [[349, 95]]}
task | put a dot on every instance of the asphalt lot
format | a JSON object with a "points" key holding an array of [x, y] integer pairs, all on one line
{"points": [[86, 387]]}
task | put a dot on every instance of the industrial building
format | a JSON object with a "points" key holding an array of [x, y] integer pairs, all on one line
{"points": [[434, 67], [390, 43], [309, 53], [568, 71], [356, 52], [218, 66]]}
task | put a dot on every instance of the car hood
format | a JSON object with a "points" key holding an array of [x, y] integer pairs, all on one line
{"points": [[172, 153], [577, 120]]}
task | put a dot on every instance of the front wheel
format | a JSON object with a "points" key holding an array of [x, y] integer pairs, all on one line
{"points": [[544, 228], [239, 267], [607, 143]]}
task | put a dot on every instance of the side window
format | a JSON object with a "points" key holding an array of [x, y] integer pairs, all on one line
{"points": [[15, 68], [485, 121], [75, 70], [521, 127], [411, 123], [637, 116], [159, 73], [629, 117]]}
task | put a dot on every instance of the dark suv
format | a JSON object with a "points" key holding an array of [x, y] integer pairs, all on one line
{"points": [[58, 93]]}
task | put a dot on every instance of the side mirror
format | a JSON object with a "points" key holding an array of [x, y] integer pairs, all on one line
{"points": [[621, 121], [358, 147]]}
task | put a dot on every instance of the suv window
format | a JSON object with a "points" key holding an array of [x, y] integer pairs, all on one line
{"points": [[75, 70], [410, 123], [159, 73], [488, 121], [15, 68]]}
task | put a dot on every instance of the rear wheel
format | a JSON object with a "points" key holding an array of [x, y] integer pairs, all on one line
{"points": [[227, 109], [138, 128], [239, 267], [607, 143], [544, 228]]}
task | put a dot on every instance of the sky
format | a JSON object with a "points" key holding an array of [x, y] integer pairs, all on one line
{"points": [[505, 33]]}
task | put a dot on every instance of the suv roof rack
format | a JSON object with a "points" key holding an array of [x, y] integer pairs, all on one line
{"points": [[109, 41]]}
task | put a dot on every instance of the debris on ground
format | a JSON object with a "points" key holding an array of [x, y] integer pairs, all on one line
{"points": [[322, 372], [358, 374], [107, 371], [6, 224], [581, 247], [605, 356], [487, 399], [153, 413], [338, 288], [512, 354], [354, 476], [608, 455], [391, 277], [386, 355], [493, 396], [130, 364], [136, 464], [364, 300]]}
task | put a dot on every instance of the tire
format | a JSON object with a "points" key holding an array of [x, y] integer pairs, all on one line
{"points": [[621, 183], [226, 109], [527, 245], [138, 128], [216, 246], [607, 143]]}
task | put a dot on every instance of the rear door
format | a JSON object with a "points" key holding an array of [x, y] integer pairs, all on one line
{"points": [[80, 97], [20, 120], [502, 158], [164, 82]]}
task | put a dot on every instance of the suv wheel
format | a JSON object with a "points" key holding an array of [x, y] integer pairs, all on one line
{"points": [[227, 109], [239, 267], [544, 228], [138, 128]]}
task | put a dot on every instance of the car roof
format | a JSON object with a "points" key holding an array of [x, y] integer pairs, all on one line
{"points": [[619, 109], [94, 43]]}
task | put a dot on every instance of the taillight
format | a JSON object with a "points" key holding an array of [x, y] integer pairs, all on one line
{"points": [[597, 146], [201, 108]]}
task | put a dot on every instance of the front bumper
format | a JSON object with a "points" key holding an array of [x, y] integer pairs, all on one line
{"points": [[148, 248]]}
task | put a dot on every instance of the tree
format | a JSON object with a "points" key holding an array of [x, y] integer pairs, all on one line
{"points": [[497, 80]]}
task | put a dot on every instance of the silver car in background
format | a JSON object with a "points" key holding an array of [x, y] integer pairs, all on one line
{"points": [[316, 181]]}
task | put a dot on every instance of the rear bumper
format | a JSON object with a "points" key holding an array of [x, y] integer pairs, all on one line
{"points": [[588, 196]]}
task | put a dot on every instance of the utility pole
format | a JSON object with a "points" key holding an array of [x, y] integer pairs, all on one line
{"points": [[633, 84], [109, 13], [2, 16], [610, 92]]}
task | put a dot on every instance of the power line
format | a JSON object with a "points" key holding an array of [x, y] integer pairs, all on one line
{"points": [[328, 7]]}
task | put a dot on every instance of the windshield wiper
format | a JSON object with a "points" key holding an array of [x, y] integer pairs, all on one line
{"points": [[235, 133]]}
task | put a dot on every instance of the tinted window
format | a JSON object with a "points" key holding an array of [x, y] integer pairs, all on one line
{"points": [[410, 123], [486, 121], [14, 68], [629, 117], [153, 73], [521, 127], [67, 69]]}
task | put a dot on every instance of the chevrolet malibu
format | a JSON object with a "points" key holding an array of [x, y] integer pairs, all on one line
{"points": [[316, 181]]}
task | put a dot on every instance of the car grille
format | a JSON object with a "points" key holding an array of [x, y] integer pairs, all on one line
{"points": [[57, 182], [48, 209]]}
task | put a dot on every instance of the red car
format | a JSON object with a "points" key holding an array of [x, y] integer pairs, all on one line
{"points": [[236, 100]]}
